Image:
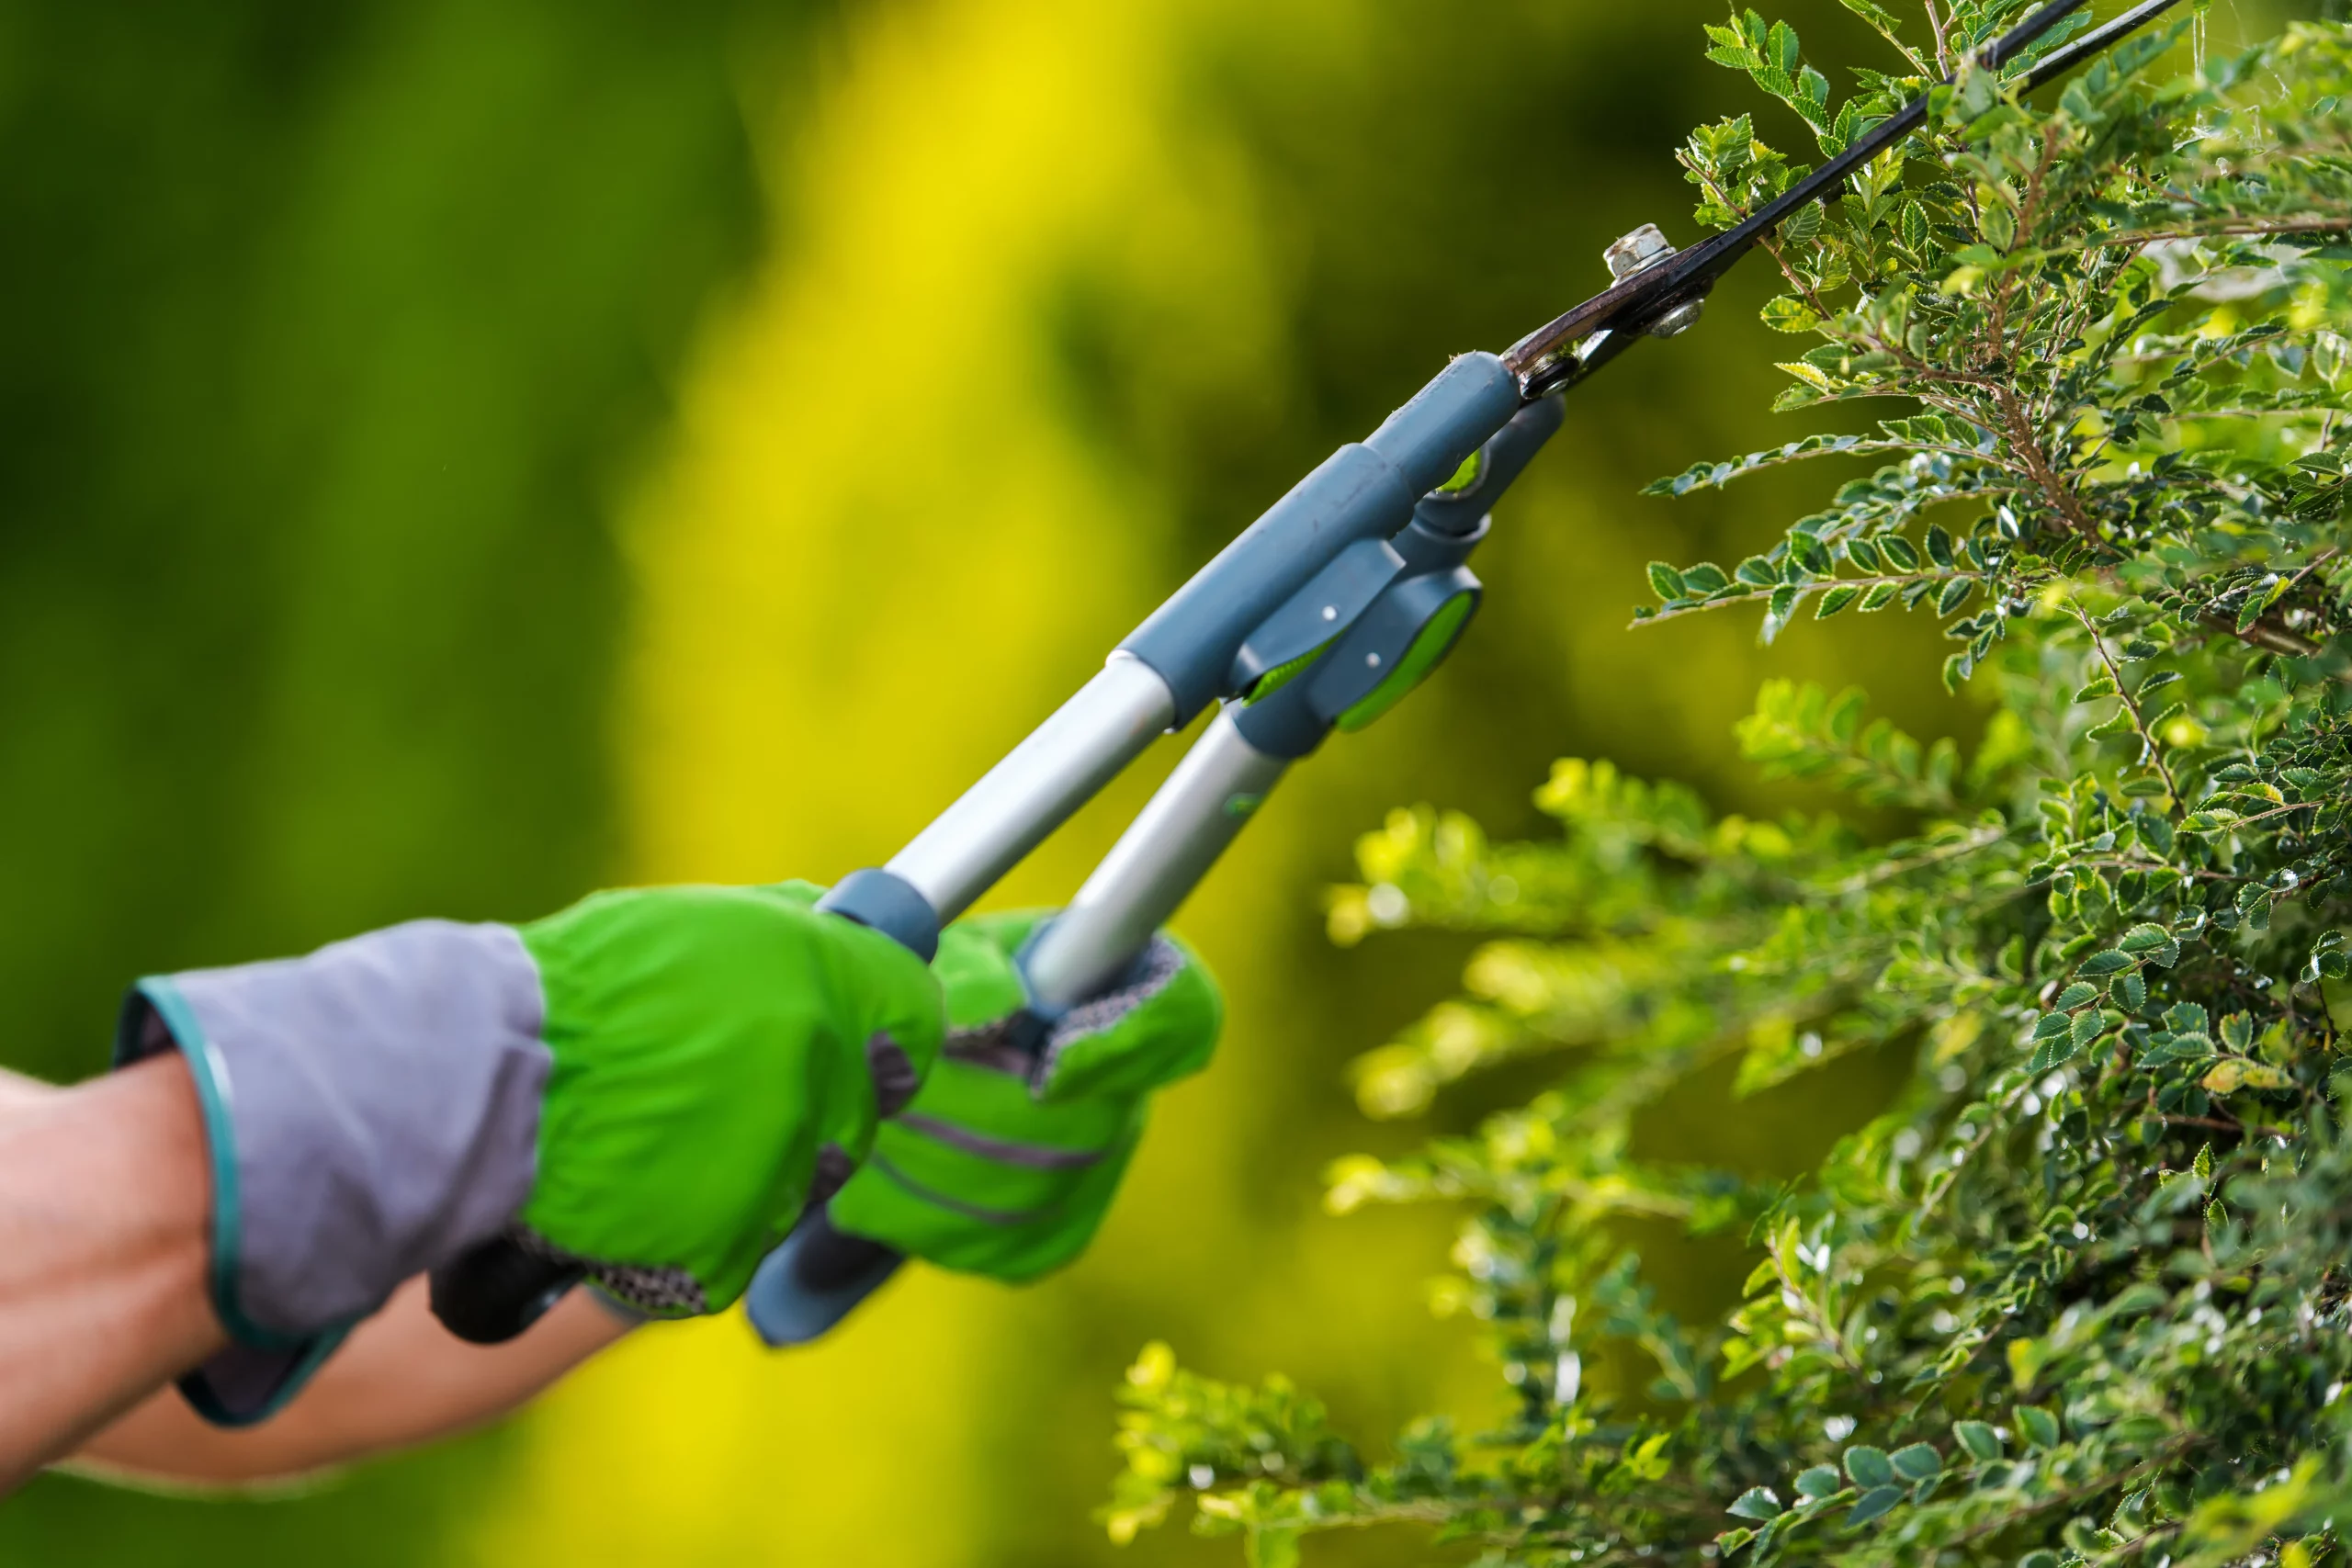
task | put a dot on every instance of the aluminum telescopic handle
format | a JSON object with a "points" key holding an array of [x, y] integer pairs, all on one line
{"points": [[1153, 868]]}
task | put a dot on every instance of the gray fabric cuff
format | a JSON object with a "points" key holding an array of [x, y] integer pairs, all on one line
{"points": [[369, 1112]]}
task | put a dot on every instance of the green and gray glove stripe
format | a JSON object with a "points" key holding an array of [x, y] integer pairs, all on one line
{"points": [[1036, 1157], [970, 1210], [1007, 1160]]}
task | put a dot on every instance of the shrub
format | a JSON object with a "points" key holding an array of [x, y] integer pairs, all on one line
{"points": [[2080, 1294]]}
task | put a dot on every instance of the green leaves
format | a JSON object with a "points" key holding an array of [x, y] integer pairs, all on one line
{"points": [[2109, 945]]}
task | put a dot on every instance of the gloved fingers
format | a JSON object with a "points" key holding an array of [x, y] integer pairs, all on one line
{"points": [[991, 1098], [1013, 1225], [723, 1056], [1159, 1023], [976, 968], [881, 990], [1002, 1172]]}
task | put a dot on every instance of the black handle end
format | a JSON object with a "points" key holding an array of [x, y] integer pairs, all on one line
{"points": [[814, 1280], [494, 1290]]}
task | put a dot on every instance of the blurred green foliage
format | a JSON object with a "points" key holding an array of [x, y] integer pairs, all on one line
{"points": [[329, 333], [2075, 1297]]}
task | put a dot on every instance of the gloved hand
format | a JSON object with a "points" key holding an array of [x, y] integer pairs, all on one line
{"points": [[653, 1082], [1006, 1162]]}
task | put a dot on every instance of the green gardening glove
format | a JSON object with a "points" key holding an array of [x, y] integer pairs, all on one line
{"points": [[721, 1058], [1005, 1163], [645, 1089]]}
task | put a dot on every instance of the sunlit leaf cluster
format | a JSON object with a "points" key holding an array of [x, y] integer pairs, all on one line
{"points": [[2081, 1294]]}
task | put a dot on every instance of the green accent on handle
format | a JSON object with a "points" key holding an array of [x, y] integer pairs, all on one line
{"points": [[1430, 648], [1467, 475], [1274, 679]]}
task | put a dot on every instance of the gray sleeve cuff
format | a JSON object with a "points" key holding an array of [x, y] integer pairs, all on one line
{"points": [[369, 1111]]}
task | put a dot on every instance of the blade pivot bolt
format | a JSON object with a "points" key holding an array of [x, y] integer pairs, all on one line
{"points": [[1638, 251]]}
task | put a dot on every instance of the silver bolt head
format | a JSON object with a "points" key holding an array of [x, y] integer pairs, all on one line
{"points": [[1682, 318], [1645, 247], [1638, 251]]}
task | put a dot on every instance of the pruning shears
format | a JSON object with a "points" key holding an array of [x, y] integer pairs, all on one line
{"points": [[1320, 615]]}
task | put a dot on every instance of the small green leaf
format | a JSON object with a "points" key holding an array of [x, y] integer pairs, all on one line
{"points": [[1872, 1503], [1756, 1502], [2108, 962], [1939, 546], [1916, 1461], [2075, 995], [2115, 728], [2054, 1054], [1880, 597], [1821, 1480], [2039, 1426], [1666, 581], [1835, 599], [1786, 312], [2099, 685], [1704, 578], [1900, 554], [1979, 1438], [1868, 1466]]}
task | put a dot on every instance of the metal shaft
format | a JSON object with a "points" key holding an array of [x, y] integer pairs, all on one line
{"points": [[1168, 849], [1033, 790]]}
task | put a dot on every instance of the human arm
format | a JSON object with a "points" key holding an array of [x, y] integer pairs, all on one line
{"points": [[399, 1380], [103, 1204]]}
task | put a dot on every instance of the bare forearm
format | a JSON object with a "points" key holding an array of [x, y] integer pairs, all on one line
{"points": [[399, 1380], [103, 1203]]}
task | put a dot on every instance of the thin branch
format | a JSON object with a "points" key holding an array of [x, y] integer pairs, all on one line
{"points": [[2139, 723], [1887, 871], [2314, 225]]}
